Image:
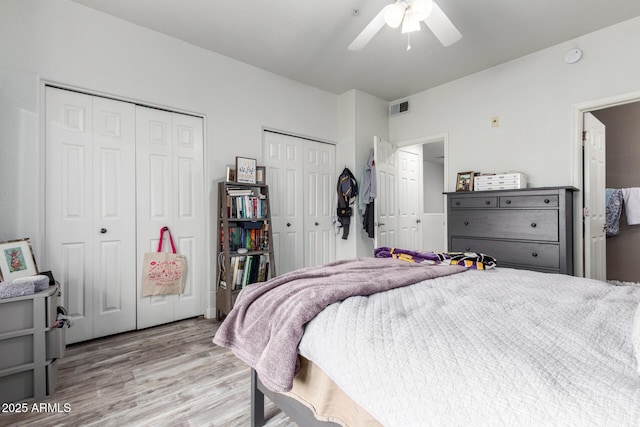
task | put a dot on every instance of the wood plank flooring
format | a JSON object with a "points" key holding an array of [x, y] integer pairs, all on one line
{"points": [[169, 375]]}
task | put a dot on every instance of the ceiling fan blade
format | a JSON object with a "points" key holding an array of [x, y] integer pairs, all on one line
{"points": [[442, 27], [370, 30]]}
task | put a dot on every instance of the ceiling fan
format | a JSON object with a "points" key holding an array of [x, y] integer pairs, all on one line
{"points": [[409, 13]]}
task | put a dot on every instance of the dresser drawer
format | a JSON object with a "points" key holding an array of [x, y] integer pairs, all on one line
{"points": [[529, 201], [538, 255], [473, 202], [506, 224]]}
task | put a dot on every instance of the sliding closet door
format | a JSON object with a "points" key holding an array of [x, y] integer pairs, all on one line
{"points": [[169, 185], [90, 220]]}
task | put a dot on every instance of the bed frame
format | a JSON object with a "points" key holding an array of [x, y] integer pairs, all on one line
{"points": [[298, 412]]}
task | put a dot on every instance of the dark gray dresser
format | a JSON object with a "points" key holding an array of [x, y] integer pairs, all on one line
{"points": [[530, 228]]}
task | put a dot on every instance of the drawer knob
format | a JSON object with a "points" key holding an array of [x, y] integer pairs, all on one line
{"points": [[534, 225], [508, 202], [547, 200], [534, 254], [458, 203], [466, 223], [487, 202]]}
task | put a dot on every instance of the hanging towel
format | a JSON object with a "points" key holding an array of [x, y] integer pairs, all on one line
{"points": [[631, 198], [613, 209], [607, 195]]}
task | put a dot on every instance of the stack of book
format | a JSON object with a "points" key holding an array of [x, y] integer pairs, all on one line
{"points": [[243, 203], [506, 181]]}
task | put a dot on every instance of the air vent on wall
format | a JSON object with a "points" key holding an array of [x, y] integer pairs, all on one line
{"points": [[399, 108]]}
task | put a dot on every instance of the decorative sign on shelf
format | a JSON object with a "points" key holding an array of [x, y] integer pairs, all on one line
{"points": [[246, 170]]}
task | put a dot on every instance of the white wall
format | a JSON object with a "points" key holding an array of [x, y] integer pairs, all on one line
{"points": [[433, 177], [534, 98], [61, 41], [362, 116], [372, 119]]}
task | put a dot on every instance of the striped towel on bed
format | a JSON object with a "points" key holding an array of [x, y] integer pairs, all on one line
{"points": [[473, 260]]}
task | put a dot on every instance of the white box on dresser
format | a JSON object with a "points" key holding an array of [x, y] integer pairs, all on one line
{"points": [[506, 181]]}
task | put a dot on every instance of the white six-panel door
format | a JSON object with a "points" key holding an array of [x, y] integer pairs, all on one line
{"points": [[409, 198], [386, 204], [320, 188], [595, 254], [302, 187], [169, 186], [283, 161], [90, 221]]}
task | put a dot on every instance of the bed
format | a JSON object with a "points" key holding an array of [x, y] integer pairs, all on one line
{"points": [[464, 347]]}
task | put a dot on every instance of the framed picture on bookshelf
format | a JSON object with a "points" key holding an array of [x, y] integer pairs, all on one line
{"points": [[16, 259], [246, 170], [261, 175], [231, 174]]}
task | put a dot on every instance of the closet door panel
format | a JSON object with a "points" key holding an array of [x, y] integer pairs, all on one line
{"points": [[320, 184], [68, 194], [114, 217], [283, 158], [154, 192], [188, 213], [171, 193]]}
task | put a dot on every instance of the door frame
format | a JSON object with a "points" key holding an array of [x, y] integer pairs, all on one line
{"points": [[209, 307], [578, 111], [439, 137]]}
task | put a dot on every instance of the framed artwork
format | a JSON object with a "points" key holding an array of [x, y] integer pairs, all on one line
{"points": [[261, 174], [246, 170], [464, 182], [16, 259], [231, 174]]}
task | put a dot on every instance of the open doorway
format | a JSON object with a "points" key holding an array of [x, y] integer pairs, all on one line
{"points": [[431, 189], [433, 212], [405, 203], [584, 180], [622, 124]]}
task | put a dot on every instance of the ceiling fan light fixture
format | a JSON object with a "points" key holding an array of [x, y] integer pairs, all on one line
{"points": [[410, 23], [394, 14], [421, 9]]}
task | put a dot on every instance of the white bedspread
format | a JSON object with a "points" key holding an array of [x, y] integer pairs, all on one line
{"points": [[485, 348]]}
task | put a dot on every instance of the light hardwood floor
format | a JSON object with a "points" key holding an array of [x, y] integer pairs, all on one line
{"points": [[169, 375]]}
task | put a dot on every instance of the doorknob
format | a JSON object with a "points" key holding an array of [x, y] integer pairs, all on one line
{"points": [[103, 230], [288, 224], [381, 223], [418, 221]]}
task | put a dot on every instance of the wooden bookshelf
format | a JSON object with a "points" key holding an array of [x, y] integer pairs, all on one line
{"points": [[245, 250]]}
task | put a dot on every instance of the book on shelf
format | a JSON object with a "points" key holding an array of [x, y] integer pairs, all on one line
{"points": [[253, 236], [246, 206], [247, 269]]}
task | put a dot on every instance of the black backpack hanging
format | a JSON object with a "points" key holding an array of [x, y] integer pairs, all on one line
{"points": [[347, 192]]}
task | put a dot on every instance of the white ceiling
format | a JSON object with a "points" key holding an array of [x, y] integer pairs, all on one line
{"points": [[306, 40]]}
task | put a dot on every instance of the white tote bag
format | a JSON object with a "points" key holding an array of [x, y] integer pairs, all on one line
{"points": [[163, 273]]}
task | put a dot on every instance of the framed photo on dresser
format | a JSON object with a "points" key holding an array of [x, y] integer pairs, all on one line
{"points": [[16, 259], [464, 182]]}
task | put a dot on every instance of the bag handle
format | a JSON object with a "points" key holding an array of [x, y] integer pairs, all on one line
{"points": [[162, 230]]}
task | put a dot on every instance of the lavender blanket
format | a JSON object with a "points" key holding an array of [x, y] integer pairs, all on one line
{"points": [[268, 319]]}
